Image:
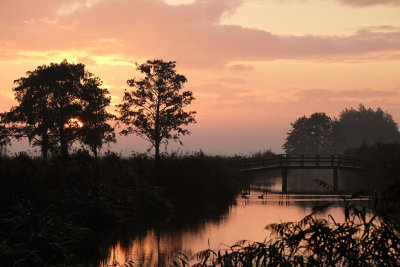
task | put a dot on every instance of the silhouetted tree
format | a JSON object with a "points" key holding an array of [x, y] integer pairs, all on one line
{"points": [[321, 134], [96, 130], [49, 99], [364, 125], [154, 110], [383, 160], [310, 135]]}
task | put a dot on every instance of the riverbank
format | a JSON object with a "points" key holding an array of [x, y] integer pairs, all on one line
{"points": [[56, 212]]}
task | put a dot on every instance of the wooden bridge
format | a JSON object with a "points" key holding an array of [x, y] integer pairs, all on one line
{"points": [[304, 161]]}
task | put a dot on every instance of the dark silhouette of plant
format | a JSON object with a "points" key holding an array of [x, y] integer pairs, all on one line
{"points": [[310, 135], [4, 133], [364, 125], [66, 221], [154, 110], [96, 130], [321, 134], [383, 163], [361, 240], [51, 100]]}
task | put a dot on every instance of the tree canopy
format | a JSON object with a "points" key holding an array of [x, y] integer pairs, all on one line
{"points": [[365, 125], [51, 100], [321, 134], [310, 135], [96, 129], [154, 109]]}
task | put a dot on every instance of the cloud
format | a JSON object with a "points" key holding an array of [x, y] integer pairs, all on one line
{"points": [[241, 67], [231, 80], [219, 93], [190, 34], [326, 95], [13, 13], [356, 3], [364, 3], [382, 28], [45, 21], [79, 5]]}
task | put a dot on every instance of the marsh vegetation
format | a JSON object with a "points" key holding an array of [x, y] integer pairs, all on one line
{"points": [[57, 211]]}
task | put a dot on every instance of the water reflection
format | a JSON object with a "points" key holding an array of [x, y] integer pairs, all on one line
{"points": [[246, 220]]}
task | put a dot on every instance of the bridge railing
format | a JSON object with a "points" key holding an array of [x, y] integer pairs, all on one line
{"points": [[304, 160]]}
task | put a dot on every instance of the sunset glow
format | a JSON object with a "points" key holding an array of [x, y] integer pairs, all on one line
{"points": [[200, 132], [253, 66], [74, 123]]}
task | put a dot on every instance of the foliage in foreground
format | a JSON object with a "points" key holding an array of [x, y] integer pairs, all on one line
{"points": [[361, 240], [59, 212]]}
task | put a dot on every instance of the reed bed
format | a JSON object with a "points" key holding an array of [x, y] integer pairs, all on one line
{"points": [[63, 211]]}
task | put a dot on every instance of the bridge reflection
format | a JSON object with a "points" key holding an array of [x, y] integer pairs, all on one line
{"points": [[286, 162]]}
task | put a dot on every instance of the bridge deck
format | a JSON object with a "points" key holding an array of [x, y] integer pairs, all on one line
{"points": [[303, 161]]}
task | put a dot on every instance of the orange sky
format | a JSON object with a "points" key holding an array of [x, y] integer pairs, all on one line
{"points": [[253, 65]]}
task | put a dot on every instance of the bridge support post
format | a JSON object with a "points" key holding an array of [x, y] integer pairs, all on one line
{"points": [[284, 180], [335, 180]]}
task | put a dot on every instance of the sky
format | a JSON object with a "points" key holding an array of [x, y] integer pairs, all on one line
{"points": [[254, 66]]}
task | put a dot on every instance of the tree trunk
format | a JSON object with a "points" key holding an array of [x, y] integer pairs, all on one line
{"points": [[94, 150], [63, 143], [157, 173], [157, 150], [157, 133], [45, 145]]}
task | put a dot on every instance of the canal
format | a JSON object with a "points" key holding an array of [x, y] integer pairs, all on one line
{"points": [[246, 219]]}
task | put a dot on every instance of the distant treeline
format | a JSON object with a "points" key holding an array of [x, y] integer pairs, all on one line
{"points": [[321, 134]]}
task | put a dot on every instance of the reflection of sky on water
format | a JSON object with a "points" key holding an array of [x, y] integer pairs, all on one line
{"points": [[245, 221]]}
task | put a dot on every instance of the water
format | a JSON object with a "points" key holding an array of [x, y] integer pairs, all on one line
{"points": [[246, 220]]}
